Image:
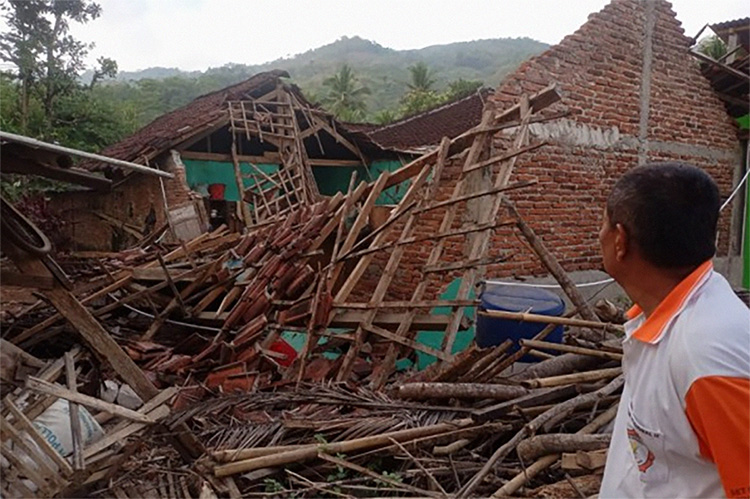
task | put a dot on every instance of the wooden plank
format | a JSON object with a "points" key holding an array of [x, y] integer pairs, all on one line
{"points": [[45, 471], [409, 304], [360, 221], [9, 278], [537, 398], [364, 262], [466, 264], [477, 245], [268, 157], [435, 237], [421, 322], [41, 386], [74, 412], [475, 195], [405, 341], [553, 265], [407, 325], [244, 209], [154, 409], [51, 321], [503, 157], [123, 433]]}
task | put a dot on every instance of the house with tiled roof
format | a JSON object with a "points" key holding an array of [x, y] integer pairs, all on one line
{"points": [[255, 141], [423, 131]]}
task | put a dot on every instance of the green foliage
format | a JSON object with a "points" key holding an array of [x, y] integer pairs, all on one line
{"points": [[385, 117], [344, 95], [422, 79], [271, 486], [394, 476], [461, 88], [47, 59], [713, 46], [340, 473], [416, 101]]}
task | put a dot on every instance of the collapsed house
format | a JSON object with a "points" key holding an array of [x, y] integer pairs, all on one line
{"points": [[202, 325], [259, 140]]}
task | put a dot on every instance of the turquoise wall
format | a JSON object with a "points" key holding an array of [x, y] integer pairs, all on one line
{"points": [[216, 172], [330, 179], [333, 179]]}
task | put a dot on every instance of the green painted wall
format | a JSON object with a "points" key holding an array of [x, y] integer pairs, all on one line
{"points": [[330, 179], [216, 172], [333, 179]]}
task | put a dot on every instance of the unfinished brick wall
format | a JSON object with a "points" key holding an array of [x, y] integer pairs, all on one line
{"points": [[620, 114]]}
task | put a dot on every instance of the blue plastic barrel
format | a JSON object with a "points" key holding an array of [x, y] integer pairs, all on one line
{"points": [[491, 331]]}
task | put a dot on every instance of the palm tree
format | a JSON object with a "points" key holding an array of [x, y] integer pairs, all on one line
{"points": [[420, 96], [345, 95], [421, 78]]}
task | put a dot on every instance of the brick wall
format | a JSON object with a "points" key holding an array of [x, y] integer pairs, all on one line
{"points": [[129, 202], [600, 72]]}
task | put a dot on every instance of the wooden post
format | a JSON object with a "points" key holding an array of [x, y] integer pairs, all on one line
{"points": [[244, 209], [554, 267]]}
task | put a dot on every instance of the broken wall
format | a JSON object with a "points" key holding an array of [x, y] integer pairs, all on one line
{"points": [[127, 206]]}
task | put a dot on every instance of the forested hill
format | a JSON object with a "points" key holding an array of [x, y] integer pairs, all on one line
{"points": [[384, 71]]}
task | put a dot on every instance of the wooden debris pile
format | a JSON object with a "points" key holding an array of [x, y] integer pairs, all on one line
{"points": [[201, 325], [529, 433]]}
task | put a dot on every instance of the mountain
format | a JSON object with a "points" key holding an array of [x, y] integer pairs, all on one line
{"points": [[383, 70]]}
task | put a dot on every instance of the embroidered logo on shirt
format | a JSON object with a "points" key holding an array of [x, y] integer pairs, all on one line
{"points": [[644, 458]]}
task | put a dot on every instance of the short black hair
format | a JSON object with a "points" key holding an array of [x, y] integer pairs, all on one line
{"points": [[670, 211]]}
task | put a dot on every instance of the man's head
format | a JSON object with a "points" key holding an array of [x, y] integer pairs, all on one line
{"points": [[665, 213]]}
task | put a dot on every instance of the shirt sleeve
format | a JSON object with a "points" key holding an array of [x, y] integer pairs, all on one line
{"points": [[718, 408]]}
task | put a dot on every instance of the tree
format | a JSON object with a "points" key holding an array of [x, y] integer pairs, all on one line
{"points": [[47, 58], [345, 95], [385, 117], [421, 78], [713, 46], [461, 88], [420, 95], [21, 46]]}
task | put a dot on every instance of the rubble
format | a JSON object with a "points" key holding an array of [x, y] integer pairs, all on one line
{"points": [[205, 396]]}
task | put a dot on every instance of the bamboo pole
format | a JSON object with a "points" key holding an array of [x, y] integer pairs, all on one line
{"points": [[567, 379], [421, 391], [548, 319], [357, 444], [571, 349], [510, 487]]}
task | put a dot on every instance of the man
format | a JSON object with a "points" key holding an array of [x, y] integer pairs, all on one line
{"points": [[683, 424]]}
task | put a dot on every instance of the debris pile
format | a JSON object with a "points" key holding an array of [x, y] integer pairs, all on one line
{"points": [[207, 396]]}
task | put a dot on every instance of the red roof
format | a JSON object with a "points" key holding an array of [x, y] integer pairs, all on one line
{"points": [[172, 128], [429, 127]]}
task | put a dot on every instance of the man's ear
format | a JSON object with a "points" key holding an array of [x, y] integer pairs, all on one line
{"points": [[622, 242]]}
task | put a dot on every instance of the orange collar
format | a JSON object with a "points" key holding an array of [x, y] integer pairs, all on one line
{"points": [[651, 329]]}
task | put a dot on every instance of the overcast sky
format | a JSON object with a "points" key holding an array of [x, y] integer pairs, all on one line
{"points": [[198, 34]]}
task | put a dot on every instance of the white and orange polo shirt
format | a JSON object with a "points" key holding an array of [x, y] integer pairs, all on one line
{"points": [[683, 425]]}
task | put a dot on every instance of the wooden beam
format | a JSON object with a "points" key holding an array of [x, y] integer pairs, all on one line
{"points": [[722, 66], [9, 278], [41, 386], [268, 157], [423, 322], [14, 164]]}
